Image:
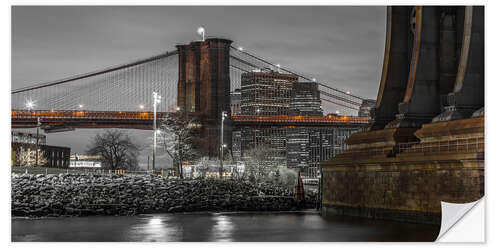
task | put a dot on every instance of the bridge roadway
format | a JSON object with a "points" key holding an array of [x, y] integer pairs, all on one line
{"points": [[70, 119]]}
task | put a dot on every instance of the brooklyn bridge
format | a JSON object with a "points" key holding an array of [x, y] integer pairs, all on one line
{"points": [[197, 78]]}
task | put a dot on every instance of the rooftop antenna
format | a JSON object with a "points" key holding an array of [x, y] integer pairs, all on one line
{"points": [[201, 32]]}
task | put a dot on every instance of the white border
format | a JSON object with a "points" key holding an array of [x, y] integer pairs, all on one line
{"points": [[492, 121]]}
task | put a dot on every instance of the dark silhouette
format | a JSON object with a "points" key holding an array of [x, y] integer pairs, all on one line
{"points": [[116, 148]]}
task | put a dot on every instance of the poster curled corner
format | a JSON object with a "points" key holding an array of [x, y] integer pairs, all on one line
{"points": [[451, 213]]}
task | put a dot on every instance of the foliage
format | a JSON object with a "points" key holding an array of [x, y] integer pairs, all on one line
{"points": [[116, 148], [260, 164]]}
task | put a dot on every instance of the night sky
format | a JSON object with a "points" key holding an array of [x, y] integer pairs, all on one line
{"points": [[342, 46]]}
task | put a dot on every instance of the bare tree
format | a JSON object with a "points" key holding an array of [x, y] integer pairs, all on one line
{"points": [[116, 149], [177, 135], [259, 164], [204, 167]]}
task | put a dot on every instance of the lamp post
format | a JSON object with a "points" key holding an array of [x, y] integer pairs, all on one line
{"points": [[38, 123], [30, 104], [156, 100], [223, 117], [201, 32]]}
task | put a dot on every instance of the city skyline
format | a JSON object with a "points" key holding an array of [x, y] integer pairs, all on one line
{"points": [[50, 43]]}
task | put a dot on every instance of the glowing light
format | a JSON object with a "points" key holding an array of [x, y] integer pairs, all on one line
{"points": [[156, 97], [337, 112], [278, 65], [348, 92], [81, 105], [314, 79], [240, 48], [225, 145], [201, 32], [178, 108], [141, 106], [30, 104], [155, 221]]}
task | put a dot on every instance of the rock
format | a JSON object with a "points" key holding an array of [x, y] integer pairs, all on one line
{"points": [[91, 194]]}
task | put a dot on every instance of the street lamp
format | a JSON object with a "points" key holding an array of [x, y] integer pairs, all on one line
{"points": [[141, 106], [222, 145], [156, 100], [30, 104], [201, 32], [38, 123]]}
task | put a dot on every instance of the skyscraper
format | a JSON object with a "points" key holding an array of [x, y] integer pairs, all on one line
{"points": [[366, 106], [305, 99], [266, 93], [236, 102]]}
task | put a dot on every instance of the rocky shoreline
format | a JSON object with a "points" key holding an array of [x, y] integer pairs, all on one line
{"points": [[92, 194]]}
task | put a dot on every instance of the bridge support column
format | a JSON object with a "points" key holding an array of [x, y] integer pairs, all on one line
{"points": [[421, 100], [204, 89], [467, 95], [395, 68], [402, 169]]}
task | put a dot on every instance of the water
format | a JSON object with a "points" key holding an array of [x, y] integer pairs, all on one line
{"points": [[307, 226]]}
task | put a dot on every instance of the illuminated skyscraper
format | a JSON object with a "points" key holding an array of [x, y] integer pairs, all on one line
{"points": [[305, 99], [266, 93]]}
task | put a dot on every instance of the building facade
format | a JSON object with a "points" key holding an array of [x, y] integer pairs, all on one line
{"points": [[366, 107], [299, 148], [266, 93], [24, 150], [27, 137], [308, 146], [305, 99], [270, 93], [236, 102]]}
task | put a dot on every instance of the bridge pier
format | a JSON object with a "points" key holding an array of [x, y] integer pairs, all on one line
{"points": [[421, 148]]}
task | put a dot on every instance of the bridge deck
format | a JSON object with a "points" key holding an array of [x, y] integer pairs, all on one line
{"points": [[144, 120]]}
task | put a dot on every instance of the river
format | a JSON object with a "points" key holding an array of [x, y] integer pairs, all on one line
{"points": [[283, 226]]}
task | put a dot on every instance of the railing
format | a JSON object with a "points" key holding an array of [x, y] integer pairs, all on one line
{"points": [[473, 144], [298, 119], [73, 114], [458, 145], [42, 170], [130, 115]]}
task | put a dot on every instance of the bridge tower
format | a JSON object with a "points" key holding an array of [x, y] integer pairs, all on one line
{"points": [[204, 89], [426, 141]]}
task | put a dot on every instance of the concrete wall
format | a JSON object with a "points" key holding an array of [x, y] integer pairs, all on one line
{"points": [[401, 191]]}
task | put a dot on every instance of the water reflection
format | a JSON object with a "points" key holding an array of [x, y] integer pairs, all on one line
{"points": [[155, 228], [222, 229], [219, 227]]}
